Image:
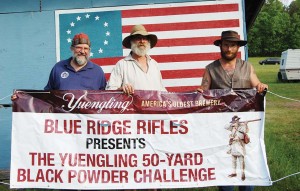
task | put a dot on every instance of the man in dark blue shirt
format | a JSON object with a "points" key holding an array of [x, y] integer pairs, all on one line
{"points": [[77, 72]]}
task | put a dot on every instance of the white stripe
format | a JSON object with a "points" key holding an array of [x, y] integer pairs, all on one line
{"points": [[183, 65], [107, 69], [167, 66], [180, 50], [218, 2], [182, 18], [182, 82], [191, 33]]}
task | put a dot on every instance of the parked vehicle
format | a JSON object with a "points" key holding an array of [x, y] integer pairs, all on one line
{"points": [[290, 65], [270, 61]]}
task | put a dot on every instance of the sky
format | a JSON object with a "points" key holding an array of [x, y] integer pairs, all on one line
{"points": [[286, 2]]}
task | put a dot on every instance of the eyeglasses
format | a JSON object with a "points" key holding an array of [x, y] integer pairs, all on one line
{"points": [[229, 45], [140, 37], [79, 48]]}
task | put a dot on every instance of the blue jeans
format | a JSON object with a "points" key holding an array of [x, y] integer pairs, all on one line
{"points": [[231, 188]]}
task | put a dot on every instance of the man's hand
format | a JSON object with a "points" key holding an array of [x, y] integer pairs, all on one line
{"points": [[261, 87], [128, 89], [200, 89], [13, 97]]}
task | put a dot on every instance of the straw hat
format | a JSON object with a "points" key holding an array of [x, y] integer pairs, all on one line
{"points": [[139, 30], [230, 36]]}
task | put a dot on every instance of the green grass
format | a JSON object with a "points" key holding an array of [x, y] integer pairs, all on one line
{"points": [[282, 128], [282, 131]]}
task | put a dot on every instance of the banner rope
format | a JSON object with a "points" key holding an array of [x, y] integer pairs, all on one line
{"points": [[6, 97], [283, 96], [162, 92], [294, 174], [4, 183]]}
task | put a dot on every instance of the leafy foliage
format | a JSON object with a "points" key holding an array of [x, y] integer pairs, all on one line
{"points": [[276, 29]]}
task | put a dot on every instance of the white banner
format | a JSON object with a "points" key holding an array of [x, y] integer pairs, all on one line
{"points": [[128, 151]]}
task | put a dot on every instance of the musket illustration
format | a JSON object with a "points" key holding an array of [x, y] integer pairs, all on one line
{"points": [[249, 121]]}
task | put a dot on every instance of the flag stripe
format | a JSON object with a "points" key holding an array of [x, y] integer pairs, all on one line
{"points": [[186, 41], [166, 66], [186, 25], [163, 58], [180, 18], [186, 57], [182, 82], [180, 10], [192, 73], [172, 74]]}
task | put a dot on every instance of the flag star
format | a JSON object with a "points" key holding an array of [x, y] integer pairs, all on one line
{"points": [[69, 40], [91, 54], [105, 24], [68, 31], [107, 33], [78, 18], [72, 24], [100, 50], [87, 16], [105, 42], [97, 18]]}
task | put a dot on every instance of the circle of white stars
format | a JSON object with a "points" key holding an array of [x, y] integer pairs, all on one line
{"points": [[96, 18]]}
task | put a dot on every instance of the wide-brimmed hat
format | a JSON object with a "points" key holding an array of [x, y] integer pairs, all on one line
{"points": [[234, 119], [81, 38], [139, 30], [230, 36]]}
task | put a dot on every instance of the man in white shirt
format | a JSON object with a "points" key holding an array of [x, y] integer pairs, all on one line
{"points": [[138, 70]]}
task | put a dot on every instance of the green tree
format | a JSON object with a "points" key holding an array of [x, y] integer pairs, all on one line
{"points": [[294, 26], [269, 34], [294, 7]]}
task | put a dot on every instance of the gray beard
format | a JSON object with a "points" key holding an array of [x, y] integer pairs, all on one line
{"points": [[140, 51], [80, 61]]}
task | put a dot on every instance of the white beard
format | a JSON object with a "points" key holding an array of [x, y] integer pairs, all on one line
{"points": [[140, 51]]}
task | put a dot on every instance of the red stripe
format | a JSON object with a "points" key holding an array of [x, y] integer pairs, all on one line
{"points": [[179, 10], [166, 58], [183, 88], [174, 74], [186, 25], [186, 73], [186, 57], [186, 41], [106, 61], [163, 58], [107, 75]]}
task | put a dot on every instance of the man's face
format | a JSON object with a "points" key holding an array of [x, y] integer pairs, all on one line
{"points": [[229, 50], [81, 54], [140, 45]]}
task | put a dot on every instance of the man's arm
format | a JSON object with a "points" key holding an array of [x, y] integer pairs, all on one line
{"points": [[255, 81], [116, 80], [206, 82]]}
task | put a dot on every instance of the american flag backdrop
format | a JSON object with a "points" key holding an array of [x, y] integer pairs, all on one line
{"points": [[186, 32]]}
